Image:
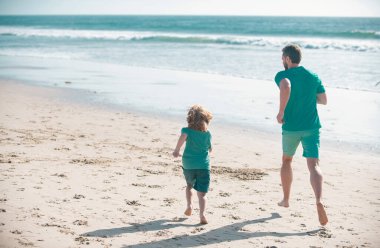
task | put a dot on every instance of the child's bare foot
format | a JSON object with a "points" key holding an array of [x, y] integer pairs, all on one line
{"points": [[188, 211], [322, 214], [203, 220], [283, 203]]}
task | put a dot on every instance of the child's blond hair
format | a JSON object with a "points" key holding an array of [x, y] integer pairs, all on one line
{"points": [[198, 117]]}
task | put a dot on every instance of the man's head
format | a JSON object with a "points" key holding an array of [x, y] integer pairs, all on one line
{"points": [[291, 56]]}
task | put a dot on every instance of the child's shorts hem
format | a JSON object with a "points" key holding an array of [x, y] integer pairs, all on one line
{"points": [[199, 179]]}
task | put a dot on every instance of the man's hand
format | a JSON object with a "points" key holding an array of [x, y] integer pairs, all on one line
{"points": [[322, 98], [176, 154], [280, 117]]}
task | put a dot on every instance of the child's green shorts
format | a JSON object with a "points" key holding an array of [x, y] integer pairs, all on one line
{"points": [[199, 179], [309, 140]]}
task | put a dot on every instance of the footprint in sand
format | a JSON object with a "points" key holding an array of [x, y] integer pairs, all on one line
{"points": [[78, 196], [66, 231], [132, 203], [198, 229], [60, 175], [16, 232], [139, 184], [62, 148], [224, 194], [163, 233], [322, 233], [169, 201], [234, 217], [297, 215], [82, 240], [36, 215], [352, 231], [25, 242], [226, 205], [155, 186], [80, 223]]}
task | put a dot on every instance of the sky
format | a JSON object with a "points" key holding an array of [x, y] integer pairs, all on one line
{"points": [[356, 8]]}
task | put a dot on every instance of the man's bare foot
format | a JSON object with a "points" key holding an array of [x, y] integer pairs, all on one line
{"points": [[203, 220], [283, 203], [322, 214], [188, 211]]}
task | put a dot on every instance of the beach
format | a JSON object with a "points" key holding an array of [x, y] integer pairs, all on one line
{"points": [[91, 108], [79, 174]]}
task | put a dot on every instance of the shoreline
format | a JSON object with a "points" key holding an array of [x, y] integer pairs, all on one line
{"points": [[87, 97]]}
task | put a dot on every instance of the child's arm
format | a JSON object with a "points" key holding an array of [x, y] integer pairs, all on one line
{"points": [[180, 142]]}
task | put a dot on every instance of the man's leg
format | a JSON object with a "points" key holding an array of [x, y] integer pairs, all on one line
{"points": [[316, 177], [316, 180], [286, 179]]}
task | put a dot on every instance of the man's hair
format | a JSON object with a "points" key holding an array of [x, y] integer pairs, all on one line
{"points": [[293, 52]]}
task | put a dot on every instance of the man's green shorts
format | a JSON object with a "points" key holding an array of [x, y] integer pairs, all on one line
{"points": [[309, 139], [199, 179]]}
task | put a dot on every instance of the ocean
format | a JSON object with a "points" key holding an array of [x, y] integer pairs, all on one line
{"points": [[96, 53], [343, 51]]}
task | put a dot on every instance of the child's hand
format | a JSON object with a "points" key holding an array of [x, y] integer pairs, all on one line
{"points": [[176, 154]]}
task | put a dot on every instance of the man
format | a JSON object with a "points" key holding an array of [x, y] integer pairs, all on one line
{"points": [[300, 91]]}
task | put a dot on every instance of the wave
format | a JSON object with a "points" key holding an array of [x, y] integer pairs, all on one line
{"points": [[364, 34], [254, 41]]}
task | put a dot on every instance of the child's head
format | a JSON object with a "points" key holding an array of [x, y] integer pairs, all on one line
{"points": [[198, 118]]}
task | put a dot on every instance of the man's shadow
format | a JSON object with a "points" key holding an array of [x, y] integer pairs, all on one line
{"points": [[135, 227], [224, 234]]}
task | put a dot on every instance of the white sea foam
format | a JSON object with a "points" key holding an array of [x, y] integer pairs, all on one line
{"points": [[254, 41]]}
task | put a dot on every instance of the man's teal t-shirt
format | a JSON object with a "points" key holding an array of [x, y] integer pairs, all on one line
{"points": [[197, 148], [301, 111]]}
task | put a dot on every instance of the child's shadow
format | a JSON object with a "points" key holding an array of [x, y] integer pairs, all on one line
{"points": [[135, 227], [223, 234]]}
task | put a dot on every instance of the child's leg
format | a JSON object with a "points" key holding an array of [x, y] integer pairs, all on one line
{"points": [[202, 206], [189, 195]]}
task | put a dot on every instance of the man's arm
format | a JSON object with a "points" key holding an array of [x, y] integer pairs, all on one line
{"points": [[322, 98], [284, 98]]}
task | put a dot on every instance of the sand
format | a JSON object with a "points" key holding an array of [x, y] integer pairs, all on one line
{"points": [[75, 174]]}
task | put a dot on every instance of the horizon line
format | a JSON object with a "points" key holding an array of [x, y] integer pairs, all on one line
{"points": [[195, 15]]}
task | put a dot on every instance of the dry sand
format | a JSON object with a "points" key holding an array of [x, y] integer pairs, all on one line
{"points": [[79, 175]]}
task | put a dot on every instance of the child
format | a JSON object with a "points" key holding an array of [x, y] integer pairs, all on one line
{"points": [[195, 159]]}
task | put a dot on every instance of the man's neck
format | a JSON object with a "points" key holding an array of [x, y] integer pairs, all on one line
{"points": [[292, 66]]}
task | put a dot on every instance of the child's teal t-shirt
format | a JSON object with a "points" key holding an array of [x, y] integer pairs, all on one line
{"points": [[196, 154]]}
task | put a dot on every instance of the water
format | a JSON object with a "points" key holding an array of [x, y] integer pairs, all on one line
{"points": [[343, 51], [108, 54]]}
